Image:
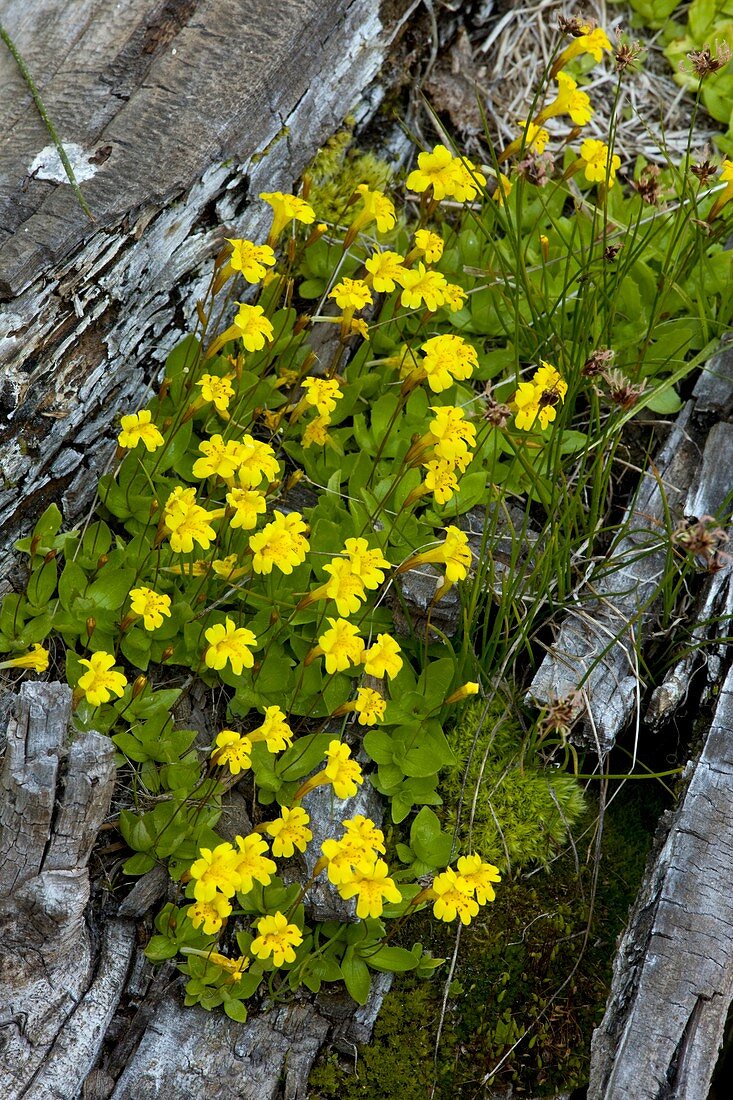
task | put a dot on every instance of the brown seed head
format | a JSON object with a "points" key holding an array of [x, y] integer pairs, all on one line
{"points": [[611, 252], [495, 413], [704, 171], [537, 169], [560, 715], [627, 53], [704, 62], [647, 184], [597, 362], [621, 391], [573, 26], [702, 538]]}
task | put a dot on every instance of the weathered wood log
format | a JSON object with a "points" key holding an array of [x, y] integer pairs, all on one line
{"points": [[181, 114], [58, 991], [673, 974], [595, 652]]}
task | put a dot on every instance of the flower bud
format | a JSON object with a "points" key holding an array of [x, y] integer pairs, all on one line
{"points": [[139, 686], [166, 654], [91, 625], [102, 561]]}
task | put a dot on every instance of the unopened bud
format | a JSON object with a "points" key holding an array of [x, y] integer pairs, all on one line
{"points": [[49, 557], [295, 477], [91, 626], [302, 323], [166, 654], [139, 686], [274, 617], [35, 543], [102, 561]]}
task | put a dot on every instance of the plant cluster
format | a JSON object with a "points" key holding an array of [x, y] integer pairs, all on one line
{"points": [[299, 465]]}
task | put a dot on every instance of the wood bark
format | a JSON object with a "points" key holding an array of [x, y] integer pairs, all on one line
{"points": [[673, 974], [595, 652]]}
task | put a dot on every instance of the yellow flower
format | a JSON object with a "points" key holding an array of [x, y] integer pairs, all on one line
{"points": [[274, 731], [187, 522], [441, 480], [341, 646], [286, 208], [453, 898], [277, 938], [345, 586], [377, 208], [341, 856], [36, 660], [290, 831], [383, 658], [279, 543], [235, 967], [454, 553], [221, 458], [384, 269], [479, 877], [138, 426], [366, 831], [211, 914], [593, 43], [368, 565], [234, 750], [420, 286], [228, 643], [100, 683], [316, 433], [430, 244], [467, 181], [322, 394], [446, 358], [370, 883], [217, 390], [256, 460], [251, 862], [568, 101], [537, 400], [253, 328], [351, 294], [151, 605], [215, 871], [463, 692], [434, 170], [369, 706], [595, 156], [342, 773], [449, 176], [251, 259], [455, 297], [726, 177], [248, 504], [453, 435]]}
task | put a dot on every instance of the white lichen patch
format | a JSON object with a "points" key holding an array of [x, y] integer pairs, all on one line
{"points": [[47, 164]]}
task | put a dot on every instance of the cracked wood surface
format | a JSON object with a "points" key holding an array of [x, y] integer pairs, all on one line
{"points": [[58, 990], [181, 114], [595, 651], [673, 974]]}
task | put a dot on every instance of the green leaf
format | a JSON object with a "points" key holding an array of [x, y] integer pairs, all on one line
{"points": [[72, 583], [303, 756], [140, 864], [42, 583], [665, 401], [395, 959], [356, 976], [160, 948], [235, 1010], [111, 588]]}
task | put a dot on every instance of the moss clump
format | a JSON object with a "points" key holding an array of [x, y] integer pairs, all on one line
{"points": [[523, 811], [338, 169]]}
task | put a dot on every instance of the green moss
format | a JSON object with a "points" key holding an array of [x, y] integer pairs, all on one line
{"points": [[524, 966], [523, 811], [338, 169]]}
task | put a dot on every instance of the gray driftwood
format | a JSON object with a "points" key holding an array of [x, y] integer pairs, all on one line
{"points": [[673, 974], [596, 647]]}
